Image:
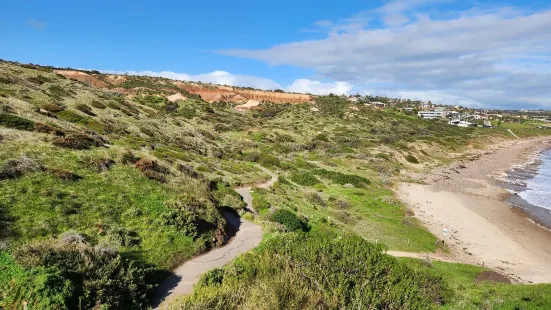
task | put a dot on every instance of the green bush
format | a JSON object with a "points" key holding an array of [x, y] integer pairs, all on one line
{"points": [[16, 122], [39, 79], [77, 275], [342, 179], [268, 160], [52, 107], [152, 169], [58, 91], [77, 141], [288, 219], [212, 277], [304, 178], [98, 105], [319, 271], [85, 109], [193, 217], [73, 117], [410, 158], [15, 168]]}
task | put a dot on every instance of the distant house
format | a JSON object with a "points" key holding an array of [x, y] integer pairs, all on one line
{"points": [[378, 104], [479, 117], [432, 114], [452, 114], [460, 123]]}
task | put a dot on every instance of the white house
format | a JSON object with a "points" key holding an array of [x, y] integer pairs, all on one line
{"points": [[378, 104], [459, 123], [432, 114]]}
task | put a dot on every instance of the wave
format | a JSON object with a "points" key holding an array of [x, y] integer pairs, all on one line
{"points": [[538, 188]]}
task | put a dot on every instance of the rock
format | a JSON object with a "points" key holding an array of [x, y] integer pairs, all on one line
{"points": [[348, 185]]}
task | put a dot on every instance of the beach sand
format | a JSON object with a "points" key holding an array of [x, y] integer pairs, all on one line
{"points": [[482, 228]]}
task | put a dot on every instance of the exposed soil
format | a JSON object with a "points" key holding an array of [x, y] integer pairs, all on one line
{"points": [[492, 276]]}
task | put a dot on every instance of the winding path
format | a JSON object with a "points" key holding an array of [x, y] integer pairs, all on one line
{"points": [[248, 236]]}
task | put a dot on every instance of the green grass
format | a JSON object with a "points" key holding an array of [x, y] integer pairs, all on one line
{"points": [[46, 206], [16, 122], [317, 270], [485, 295], [207, 149]]}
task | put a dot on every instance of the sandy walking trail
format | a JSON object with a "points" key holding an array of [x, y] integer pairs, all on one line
{"points": [[245, 192], [248, 236], [425, 256], [482, 228]]}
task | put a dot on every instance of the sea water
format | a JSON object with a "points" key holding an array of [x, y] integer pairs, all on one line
{"points": [[538, 188]]}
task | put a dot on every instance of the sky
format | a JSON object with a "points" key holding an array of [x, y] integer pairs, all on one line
{"points": [[487, 54]]}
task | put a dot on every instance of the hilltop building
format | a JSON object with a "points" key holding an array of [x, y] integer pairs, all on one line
{"points": [[432, 114]]}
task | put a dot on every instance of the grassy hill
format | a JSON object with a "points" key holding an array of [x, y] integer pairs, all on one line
{"points": [[104, 191]]}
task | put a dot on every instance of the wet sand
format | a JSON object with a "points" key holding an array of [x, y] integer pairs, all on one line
{"points": [[483, 228]]}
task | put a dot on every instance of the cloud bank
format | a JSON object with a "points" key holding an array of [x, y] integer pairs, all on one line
{"points": [[480, 56], [226, 78]]}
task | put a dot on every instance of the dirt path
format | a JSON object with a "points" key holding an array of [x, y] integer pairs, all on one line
{"points": [[248, 236], [245, 192], [428, 256]]}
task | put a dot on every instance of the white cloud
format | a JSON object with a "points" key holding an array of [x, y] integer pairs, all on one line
{"points": [[319, 88], [215, 77], [496, 57], [227, 78]]}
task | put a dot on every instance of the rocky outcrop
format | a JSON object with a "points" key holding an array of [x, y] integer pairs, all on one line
{"points": [[272, 96], [83, 77], [208, 92]]}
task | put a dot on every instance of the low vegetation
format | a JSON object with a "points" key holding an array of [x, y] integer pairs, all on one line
{"points": [[102, 193], [317, 271]]}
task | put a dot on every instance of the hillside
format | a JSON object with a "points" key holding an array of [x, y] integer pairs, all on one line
{"points": [[108, 182]]}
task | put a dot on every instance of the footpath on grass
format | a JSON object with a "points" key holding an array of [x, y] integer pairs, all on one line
{"points": [[248, 236]]}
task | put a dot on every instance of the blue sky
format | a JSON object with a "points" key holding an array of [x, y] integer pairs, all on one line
{"points": [[478, 53]]}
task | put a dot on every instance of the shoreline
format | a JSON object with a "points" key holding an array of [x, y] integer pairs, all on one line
{"points": [[483, 227]]}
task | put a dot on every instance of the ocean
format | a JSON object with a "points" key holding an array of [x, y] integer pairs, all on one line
{"points": [[531, 185]]}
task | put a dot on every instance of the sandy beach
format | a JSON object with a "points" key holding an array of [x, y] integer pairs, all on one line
{"points": [[482, 228]]}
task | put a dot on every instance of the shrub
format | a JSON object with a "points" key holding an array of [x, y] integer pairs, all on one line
{"points": [[82, 276], [122, 236], [73, 117], [85, 109], [151, 169], [128, 157], [45, 128], [113, 105], [304, 178], [289, 220], [342, 179], [100, 164], [98, 105], [320, 271], [64, 174], [410, 158], [316, 199], [58, 91], [190, 216], [16, 122], [184, 220], [188, 112], [212, 277], [15, 168], [40, 79], [268, 160], [52, 107], [76, 141]]}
